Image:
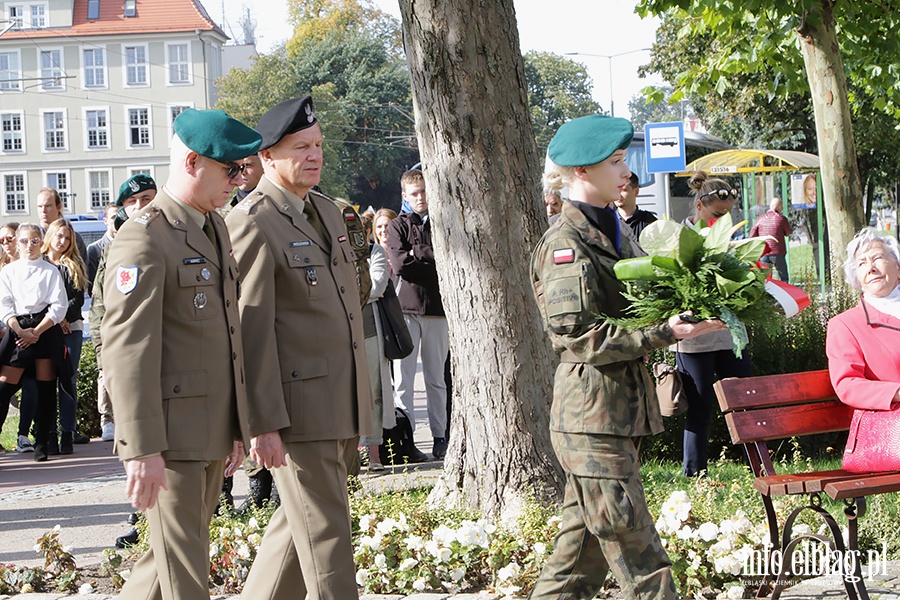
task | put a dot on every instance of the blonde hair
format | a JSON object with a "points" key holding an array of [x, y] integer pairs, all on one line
{"points": [[556, 177], [381, 212], [70, 259]]}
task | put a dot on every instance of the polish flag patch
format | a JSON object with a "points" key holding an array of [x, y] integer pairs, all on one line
{"points": [[561, 257]]}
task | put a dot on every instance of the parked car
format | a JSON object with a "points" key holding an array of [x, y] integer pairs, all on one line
{"points": [[89, 226]]}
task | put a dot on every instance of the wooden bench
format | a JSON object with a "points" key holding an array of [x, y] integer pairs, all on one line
{"points": [[759, 409]]}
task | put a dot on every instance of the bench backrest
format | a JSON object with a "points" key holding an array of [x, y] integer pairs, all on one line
{"points": [[779, 406]]}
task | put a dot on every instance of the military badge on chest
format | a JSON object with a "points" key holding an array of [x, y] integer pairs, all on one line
{"points": [[200, 300]]}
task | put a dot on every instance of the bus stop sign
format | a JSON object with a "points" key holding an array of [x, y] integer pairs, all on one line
{"points": [[665, 147]]}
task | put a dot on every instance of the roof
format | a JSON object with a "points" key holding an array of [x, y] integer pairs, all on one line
{"points": [[153, 16], [752, 161]]}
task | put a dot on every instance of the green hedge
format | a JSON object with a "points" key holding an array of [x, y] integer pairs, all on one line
{"points": [[88, 419]]}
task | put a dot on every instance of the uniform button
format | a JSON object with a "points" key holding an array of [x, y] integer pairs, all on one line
{"points": [[176, 389], [355, 345], [227, 303], [232, 330], [351, 314], [295, 374], [342, 289], [234, 356], [334, 262], [198, 278], [306, 260]]}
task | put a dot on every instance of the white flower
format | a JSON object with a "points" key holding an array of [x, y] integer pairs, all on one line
{"points": [[365, 522], [414, 543], [802, 529], [387, 526], [508, 590], [510, 571], [371, 541], [443, 535], [85, 589], [488, 527], [419, 584], [402, 523], [56, 527], [253, 523], [685, 533], [380, 561], [677, 506], [555, 521], [126, 574], [362, 576], [243, 551], [540, 548], [735, 592], [37, 548], [254, 538], [408, 563], [457, 574], [721, 548], [728, 564], [67, 549], [444, 554], [664, 526], [432, 548], [213, 550], [708, 532], [472, 534]]}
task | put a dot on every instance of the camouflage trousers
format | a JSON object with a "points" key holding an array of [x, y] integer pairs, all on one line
{"points": [[605, 525]]}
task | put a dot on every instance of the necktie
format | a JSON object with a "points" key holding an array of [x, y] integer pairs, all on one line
{"points": [[313, 217], [210, 232]]}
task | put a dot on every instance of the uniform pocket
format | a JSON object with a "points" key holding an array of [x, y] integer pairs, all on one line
{"points": [[185, 404], [312, 262], [307, 394], [197, 296]]}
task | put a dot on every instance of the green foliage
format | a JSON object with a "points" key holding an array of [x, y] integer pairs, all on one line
{"points": [[10, 432], [87, 418], [559, 89], [58, 572], [657, 107], [110, 565]]}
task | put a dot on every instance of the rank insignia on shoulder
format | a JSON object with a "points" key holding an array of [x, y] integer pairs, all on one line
{"points": [[563, 256], [147, 217], [126, 278]]}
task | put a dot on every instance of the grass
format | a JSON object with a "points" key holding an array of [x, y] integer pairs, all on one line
{"points": [[9, 434]]}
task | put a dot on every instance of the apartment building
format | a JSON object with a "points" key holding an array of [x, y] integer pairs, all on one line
{"points": [[89, 90]]}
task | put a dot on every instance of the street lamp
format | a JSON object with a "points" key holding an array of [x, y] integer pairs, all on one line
{"points": [[609, 57]]}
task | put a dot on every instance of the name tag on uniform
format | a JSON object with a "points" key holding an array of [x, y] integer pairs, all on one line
{"points": [[561, 257], [298, 244], [199, 260]]}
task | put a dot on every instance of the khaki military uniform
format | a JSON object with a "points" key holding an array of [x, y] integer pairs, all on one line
{"points": [[174, 367], [603, 400], [307, 378]]}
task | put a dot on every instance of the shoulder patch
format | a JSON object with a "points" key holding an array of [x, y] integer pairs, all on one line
{"points": [[563, 256], [126, 278], [247, 203], [148, 216]]}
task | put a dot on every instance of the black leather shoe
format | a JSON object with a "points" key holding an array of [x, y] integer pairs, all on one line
{"points": [[40, 451], [65, 443], [133, 518], [439, 450], [80, 439], [53, 444], [417, 456], [129, 539]]}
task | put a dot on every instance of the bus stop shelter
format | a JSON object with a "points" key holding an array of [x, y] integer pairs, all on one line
{"points": [[787, 167]]}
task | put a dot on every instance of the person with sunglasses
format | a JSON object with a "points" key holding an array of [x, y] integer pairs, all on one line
{"points": [[705, 359], [32, 304], [173, 355]]}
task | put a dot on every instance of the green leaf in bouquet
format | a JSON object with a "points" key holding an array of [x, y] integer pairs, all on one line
{"points": [[642, 268], [736, 329], [749, 250], [719, 236], [730, 282], [690, 245], [661, 238]]}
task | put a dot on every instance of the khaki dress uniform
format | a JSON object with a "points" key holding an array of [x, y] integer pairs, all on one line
{"points": [[308, 379], [174, 368], [603, 400]]}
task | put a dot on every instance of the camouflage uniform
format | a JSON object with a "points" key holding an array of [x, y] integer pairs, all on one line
{"points": [[603, 400]]}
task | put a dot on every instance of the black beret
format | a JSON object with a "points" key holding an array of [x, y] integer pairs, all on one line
{"points": [[284, 119]]}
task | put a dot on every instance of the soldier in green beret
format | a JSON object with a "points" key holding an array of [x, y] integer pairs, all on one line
{"points": [[603, 398]]}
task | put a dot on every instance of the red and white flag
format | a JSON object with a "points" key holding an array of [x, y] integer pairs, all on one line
{"points": [[791, 298]]}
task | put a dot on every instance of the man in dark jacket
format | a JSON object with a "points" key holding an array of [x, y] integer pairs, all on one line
{"points": [[412, 260]]}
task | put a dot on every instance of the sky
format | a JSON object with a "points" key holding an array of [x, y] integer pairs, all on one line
{"points": [[600, 27]]}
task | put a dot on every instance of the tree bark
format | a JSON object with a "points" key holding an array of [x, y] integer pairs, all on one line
{"points": [[841, 184], [481, 175]]}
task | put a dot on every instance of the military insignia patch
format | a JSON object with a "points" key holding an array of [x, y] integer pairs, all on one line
{"points": [[126, 278], [200, 301], [563, 256], [359, 239]]}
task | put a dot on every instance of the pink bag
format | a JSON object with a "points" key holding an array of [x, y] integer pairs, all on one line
{"points": [[874, 441]]}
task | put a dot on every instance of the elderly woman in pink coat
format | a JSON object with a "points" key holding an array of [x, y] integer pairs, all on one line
{"points": [[863, 343]]}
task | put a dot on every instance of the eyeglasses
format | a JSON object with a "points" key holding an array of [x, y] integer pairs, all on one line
{"points": [[31, 242], [232, 168], [7, 239], [722, 194]]}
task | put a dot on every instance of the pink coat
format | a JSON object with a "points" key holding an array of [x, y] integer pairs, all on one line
{"points": [[863, 359]]}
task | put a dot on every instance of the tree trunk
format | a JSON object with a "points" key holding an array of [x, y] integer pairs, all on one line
{"points": [[841, 183], [481, 173]]}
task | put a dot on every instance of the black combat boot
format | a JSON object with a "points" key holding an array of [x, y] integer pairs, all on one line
{"points": [[65, 443]]}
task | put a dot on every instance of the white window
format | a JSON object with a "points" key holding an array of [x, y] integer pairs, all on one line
{"points": [[52, 70], [94, 67], [14, 193], [98, 188], [54, 123], [148, 171], [27, 15], [179, 61], [174, 111], [17, 15], [38, 15], [136, 65], [96, 123], [10, 75], [138, 127], [13, 139], [59, 181]]}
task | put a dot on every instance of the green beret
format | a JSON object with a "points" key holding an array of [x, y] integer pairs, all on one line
{"points": [[286, 118], [589, 140], [215, 135], [134, 185]]}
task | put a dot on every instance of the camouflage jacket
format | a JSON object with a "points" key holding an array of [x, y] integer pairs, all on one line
{"points": [[601, 385]]}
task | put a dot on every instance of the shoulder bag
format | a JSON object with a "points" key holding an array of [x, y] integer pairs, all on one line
{"points": [[394, 333], [669, 390]]}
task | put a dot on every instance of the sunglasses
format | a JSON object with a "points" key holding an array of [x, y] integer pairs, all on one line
{"points": [[722, 194], [31, 242], [7, 239]]}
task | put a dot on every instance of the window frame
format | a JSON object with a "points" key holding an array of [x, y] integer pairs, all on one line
{"points": [[170, 120], [21, 115], [65, 130], [188, 66], [61, 67], [87, 128], [66, 194], [145, 65], [103, 68], [24, 192], [89, 190], [129, 127], [17, 81]]}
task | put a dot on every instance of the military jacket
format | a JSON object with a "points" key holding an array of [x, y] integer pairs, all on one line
{"points": [[172, 352], [601, 385], [302, 321]]}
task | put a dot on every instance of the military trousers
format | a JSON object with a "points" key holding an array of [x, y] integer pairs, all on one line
{"points": [[176, 567], [306, 551], [606, 525]]}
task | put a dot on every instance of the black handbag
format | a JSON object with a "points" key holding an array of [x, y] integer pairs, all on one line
{"points": [[394, 333]]}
